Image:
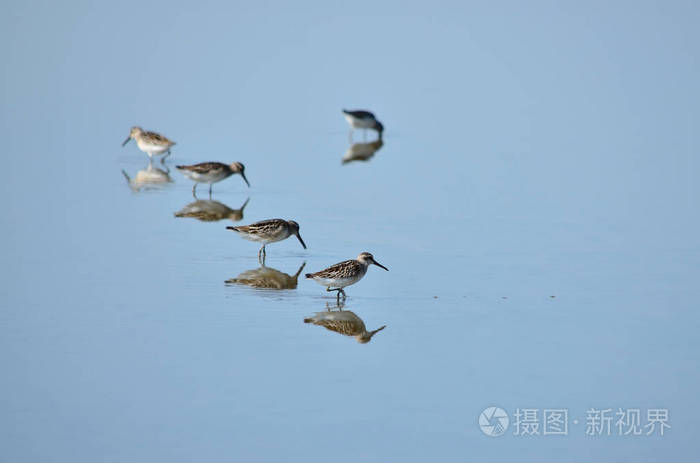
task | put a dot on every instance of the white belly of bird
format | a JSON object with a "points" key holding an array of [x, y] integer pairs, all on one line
{"points": [[263, 239], [340, 282], [151, 148], [205, 178], [357, 123]]}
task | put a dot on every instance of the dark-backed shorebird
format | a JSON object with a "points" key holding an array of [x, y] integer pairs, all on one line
{"points": [[360, 119], [211, 172], [268, 231]]}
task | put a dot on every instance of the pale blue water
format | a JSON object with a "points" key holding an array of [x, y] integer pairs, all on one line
{"points": [[535, 201]]}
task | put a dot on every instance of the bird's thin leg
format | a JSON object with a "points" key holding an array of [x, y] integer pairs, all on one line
{"points": [[194, 190], [162, 160], [341, 291], [338, 291], [210, 185]]}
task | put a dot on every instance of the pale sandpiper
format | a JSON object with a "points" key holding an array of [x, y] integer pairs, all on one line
{"points": [[211, 172], [150, 143], [268, 231], [346, 273]]}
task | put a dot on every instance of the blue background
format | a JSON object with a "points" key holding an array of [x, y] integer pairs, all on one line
{"points": [[532, 149]]}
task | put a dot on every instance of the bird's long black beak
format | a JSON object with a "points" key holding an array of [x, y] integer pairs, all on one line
{"points": [[301, 241], [379, 265], [127, 140], [246, 180]]}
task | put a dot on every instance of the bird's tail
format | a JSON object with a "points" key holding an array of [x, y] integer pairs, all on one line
{"points": [[309, 275], [308, 320]]}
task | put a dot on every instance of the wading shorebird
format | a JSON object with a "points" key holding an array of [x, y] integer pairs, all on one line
{"points": [[362, 120], [150, 143], [211, 172], [268, 231], [346, 273]]}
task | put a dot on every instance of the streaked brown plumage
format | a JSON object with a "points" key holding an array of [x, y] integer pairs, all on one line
{"points": [[346, 273], [345, 269]]}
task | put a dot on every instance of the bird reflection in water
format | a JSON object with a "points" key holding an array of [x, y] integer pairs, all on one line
{"points": [[344, 322], [208, 210], [362, 151], [267, 278], [149, 178]]}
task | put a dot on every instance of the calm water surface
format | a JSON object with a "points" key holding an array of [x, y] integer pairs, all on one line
{"points": [[535, 199]]}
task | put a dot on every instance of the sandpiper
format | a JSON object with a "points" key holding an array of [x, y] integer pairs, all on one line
{"points": [[211, 172], [268, 231], [346, 273], [360, 119], [150, 143]]}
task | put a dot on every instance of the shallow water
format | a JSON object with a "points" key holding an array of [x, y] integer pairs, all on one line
{"points": [[537, 215]]}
